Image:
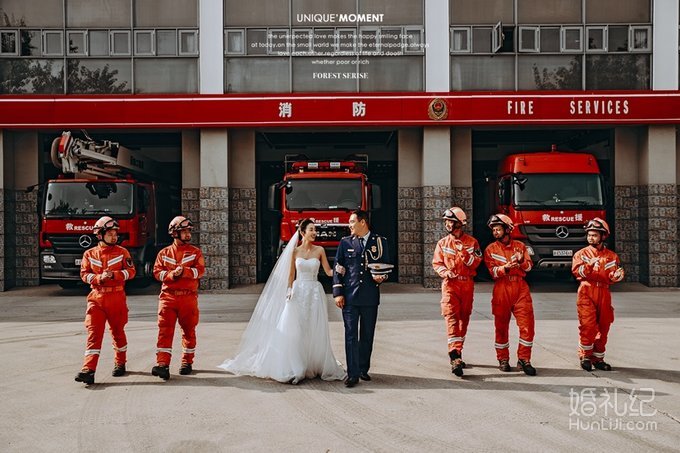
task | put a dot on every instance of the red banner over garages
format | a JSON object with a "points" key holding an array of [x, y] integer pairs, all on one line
{"points": [[355, 110]]}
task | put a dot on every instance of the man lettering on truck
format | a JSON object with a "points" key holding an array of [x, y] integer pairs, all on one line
{"points": [[105, 268], [508, 261], [596, 267], [455, 260]]}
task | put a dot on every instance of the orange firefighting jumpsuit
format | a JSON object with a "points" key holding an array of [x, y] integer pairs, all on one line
{"points": [[595, 270], [511, 296], [461, 256], [178, 300], [106, 301]]}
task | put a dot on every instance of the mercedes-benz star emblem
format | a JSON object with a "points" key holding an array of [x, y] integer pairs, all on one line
{"points": [[562, 232], [85, 241]]}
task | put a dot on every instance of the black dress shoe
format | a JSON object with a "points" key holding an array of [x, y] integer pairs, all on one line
{"points": [[364, 377], [351, 382]]}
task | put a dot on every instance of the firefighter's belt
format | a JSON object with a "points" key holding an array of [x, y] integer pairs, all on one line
{"points": [[109, 289]]}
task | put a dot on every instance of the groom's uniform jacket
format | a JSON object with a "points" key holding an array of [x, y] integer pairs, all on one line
{"points": [[357, 284]]}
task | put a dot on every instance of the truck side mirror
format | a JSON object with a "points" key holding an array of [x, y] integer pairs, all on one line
{"points": [[273, 199], [504, 192], [375, 197]]}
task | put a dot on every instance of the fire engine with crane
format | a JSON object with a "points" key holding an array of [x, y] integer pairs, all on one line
{"points": [[101, 178], [326, 191], [550, 196]]}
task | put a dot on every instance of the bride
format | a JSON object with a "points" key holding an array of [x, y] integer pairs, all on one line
{"points": [[287, 337]]}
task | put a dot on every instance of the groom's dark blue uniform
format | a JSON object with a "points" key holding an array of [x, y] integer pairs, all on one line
{"points": [[362, 297]]}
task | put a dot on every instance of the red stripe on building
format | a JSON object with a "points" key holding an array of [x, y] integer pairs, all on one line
{"points": [[356, 110]]}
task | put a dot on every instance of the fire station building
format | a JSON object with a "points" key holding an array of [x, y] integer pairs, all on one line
{"points": [[434, 92]]}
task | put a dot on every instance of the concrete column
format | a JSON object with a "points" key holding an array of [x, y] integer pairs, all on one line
{"points": [[410, 206], [436, 194], [211, 56], [214, 205], [6, 280], [627, 199], [437, 55], [191, 179], [461, 171], [659, 207], [20, 214], [665, 45], [243, 209]]}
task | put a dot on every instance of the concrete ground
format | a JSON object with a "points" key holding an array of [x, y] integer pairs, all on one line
{"points": [[414, 403]]}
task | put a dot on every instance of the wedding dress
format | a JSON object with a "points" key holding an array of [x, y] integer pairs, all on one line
{"points": [[288, 340]]}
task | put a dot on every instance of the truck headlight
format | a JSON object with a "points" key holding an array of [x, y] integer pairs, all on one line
{"points": [[530, 250], [49, 259]]}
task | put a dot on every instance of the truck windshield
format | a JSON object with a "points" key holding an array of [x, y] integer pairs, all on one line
{"points": [[323, 194], [572, 189], [87, 199]]}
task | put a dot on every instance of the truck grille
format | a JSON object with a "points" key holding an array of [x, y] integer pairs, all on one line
{"points": [[331, 232], [69, 243], [550, 250]]}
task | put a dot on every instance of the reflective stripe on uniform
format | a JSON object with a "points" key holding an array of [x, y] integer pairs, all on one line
{"points": [[339, 285], [168, 350], [581, 270], [116, 260], [163, 274], [186, 259], [599, 355], [126, 274], [500, 258], [93, 351], [95, 262], [470, 261], [123, 349], [195, 272], [89, 277], [448, 250], [610, 264], [502, 346], [189, 350], [528, 344], [169, 260], [584, 347], [455, 339]]}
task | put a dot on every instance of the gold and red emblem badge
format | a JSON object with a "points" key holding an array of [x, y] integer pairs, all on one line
{"points": [[438, 110]]}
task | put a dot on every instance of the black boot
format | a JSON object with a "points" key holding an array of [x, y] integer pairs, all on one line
{"points": [[525, 365], [85, 376], [504, 365], [118, 370], [586, 364], [602, 365], [185, 369], [162, 372], [456, 363]]}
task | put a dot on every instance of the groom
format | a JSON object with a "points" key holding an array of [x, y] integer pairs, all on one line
{"points": [[356, 292]]}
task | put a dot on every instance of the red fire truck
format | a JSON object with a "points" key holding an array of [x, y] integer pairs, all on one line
{"points": [[100, 178], [550, 196], [325, 191]]}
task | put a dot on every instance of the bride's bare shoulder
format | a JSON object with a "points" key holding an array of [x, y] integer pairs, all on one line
{"points": [[318, 250]]}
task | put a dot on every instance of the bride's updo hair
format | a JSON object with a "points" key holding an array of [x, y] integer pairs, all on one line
{"points": [[302, 226]]}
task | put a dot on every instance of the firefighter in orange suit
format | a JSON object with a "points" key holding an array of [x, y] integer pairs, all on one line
{"points": [[105, 268], [455, 260], [596, 267], [508, 261], [179, 268]]}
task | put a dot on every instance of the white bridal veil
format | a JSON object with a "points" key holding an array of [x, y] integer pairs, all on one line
{"points": [[263, 322]]}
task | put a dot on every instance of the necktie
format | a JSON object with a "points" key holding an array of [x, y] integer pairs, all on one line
{"points": [[361, 245]]}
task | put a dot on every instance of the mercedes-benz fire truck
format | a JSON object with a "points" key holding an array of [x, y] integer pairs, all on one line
{"points": [[325, 191], [550, 196], [100, 178]]}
